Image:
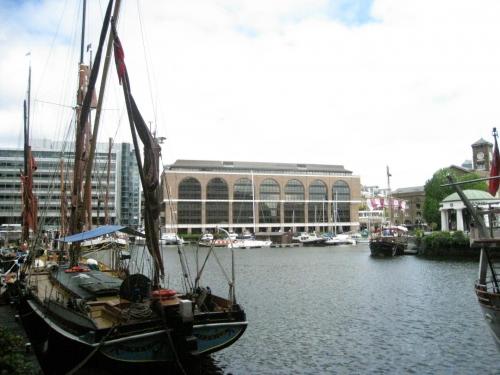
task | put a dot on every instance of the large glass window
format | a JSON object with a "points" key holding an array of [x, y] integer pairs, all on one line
{"points": [[294, 211], [189, 212], [242, 211], [217, 212], [269, 211], [318, 208], [341, 194]]}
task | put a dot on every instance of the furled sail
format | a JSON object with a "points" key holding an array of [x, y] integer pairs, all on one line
{"points": [[149, 171]]}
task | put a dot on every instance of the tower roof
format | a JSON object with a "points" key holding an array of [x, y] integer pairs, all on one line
{"points": [[473, 195], [481, 142]]}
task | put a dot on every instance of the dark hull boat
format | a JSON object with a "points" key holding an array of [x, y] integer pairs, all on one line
{"points": [[490, 305], [391, 241], [97, 328], [387, 247], [83, 316]]}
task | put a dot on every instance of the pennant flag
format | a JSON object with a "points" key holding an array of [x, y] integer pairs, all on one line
{"points": [[495, 166]]}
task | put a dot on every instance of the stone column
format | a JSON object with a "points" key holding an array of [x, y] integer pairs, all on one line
{"points": [[329, 207], [444, 221], [281, 209], [230, 196], [460, 219], [203, 206]]}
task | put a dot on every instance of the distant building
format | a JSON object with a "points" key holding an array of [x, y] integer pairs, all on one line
{"points": [[481, 156], [129, 190], [413, 215], [259, 197], [54, 167]]}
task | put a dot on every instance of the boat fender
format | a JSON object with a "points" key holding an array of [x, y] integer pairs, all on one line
{"points": [[93, 264]]}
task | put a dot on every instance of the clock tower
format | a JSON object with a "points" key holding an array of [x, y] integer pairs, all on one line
{"points": [[481, 156]]}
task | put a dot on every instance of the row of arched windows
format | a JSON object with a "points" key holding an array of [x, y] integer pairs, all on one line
{"points": [[268, 210]]}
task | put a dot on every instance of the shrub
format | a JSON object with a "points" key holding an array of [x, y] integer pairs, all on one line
{"points": [[12, 359]]}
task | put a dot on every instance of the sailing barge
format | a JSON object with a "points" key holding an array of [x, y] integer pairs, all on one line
{"points": [[80, 317]]}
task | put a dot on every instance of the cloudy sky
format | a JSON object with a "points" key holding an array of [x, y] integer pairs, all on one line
{"points": [[406, 83]]}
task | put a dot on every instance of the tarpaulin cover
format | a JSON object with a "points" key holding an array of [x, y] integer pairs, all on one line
{"points": [[100, 231]]}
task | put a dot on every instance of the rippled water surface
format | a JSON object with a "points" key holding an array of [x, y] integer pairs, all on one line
{"points": [[336, 310]]}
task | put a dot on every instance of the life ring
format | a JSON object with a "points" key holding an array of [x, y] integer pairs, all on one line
{"points": [[163, 294], [77, 269]]}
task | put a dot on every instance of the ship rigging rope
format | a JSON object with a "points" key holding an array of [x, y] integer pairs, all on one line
{"points": [[91, 354], [139, 13]]}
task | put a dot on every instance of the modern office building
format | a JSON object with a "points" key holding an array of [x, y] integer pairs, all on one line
{"points": [[259, 197], [54, 174], [129, 189]]}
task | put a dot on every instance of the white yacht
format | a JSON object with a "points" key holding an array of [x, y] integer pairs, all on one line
{"points": [[171, 239]]}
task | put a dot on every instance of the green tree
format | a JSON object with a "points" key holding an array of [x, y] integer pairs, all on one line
{"points": [[435, 193]]}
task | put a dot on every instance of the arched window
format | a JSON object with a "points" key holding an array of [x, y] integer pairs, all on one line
{"points": [[217, 212], [269, 212], [294, 211], [189, 212], [243, 211], [318, 202], [341, 194]]}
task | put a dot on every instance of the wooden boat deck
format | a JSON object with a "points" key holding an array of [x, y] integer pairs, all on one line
{"points": [[104, 311]]}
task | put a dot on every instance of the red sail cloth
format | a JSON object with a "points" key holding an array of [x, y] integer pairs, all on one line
{"points": [[495, 166], [30, 210]]}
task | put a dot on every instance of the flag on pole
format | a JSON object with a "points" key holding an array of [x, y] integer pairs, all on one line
{"points": [[495, 168]]}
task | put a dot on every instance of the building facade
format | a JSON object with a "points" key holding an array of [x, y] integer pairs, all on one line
{"points": [[412, 216], [259, 197], [129, 189], [54, 177]]}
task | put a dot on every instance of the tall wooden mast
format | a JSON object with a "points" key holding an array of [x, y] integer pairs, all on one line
{"points": [[27, 155], [92, 146], [81, 154]]}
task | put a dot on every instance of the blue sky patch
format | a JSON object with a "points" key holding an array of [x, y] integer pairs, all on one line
{"points": [[351, 12]]}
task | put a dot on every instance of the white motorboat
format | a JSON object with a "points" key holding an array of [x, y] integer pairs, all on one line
{"points": [[171, 239], [340, 239], [309, 239], [249, 244]]}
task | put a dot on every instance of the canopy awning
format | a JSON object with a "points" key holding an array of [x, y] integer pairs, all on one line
{"points": [[100, 231]]}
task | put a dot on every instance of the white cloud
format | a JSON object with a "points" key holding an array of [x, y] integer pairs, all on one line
{"points": [[283, 81]]}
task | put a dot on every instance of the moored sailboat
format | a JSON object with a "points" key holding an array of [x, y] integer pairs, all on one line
{"points": [[390, 239], [94, 318]]}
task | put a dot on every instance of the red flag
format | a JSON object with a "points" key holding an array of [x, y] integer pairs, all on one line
{"points": [[495, 168]]}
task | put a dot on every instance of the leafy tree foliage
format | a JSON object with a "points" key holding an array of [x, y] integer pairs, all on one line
{"points": [[435, 193]]}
